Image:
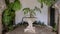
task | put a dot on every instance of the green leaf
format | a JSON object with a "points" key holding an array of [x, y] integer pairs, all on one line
{"points": [[26, 10], [31, 11], [11, 5], [47, 2], [8, 16], [17, 5], [37, 9]]}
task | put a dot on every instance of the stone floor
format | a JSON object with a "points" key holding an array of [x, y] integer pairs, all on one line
{"points": [[39, 30]]}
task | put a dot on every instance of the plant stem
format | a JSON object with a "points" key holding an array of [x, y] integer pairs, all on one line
{"points": [[30, 14]]}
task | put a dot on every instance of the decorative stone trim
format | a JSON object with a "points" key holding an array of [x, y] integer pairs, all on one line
{"points": [[0, 24], [57, 5]]}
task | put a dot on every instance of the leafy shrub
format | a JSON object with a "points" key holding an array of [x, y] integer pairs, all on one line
{"points": [[8, 16], [35, 22], [39, 23], [55, 27], [16, 5]]}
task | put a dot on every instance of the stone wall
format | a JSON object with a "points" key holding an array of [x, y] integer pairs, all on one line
{"points": [[43, 16], [57, 6], [59, 24], [2, 7]]}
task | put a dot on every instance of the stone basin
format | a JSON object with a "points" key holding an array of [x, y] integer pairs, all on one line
{"points": [[30, 27]]}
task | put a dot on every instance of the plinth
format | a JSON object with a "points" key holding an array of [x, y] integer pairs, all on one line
{"points": [[30, 27]]}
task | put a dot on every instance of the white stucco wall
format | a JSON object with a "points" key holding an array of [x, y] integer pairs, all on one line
{"points": [[43, 17]]}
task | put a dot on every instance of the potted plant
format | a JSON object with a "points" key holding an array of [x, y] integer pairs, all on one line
{"points": [[31, 18]]}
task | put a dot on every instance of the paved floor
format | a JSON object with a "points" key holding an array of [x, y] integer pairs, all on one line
{"points": [[39, 30]]}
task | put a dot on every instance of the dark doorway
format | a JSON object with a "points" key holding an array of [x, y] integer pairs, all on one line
{"points": [[52, 16]]}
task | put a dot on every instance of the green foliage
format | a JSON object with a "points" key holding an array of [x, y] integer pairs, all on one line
{"points": [[9, 14], [47, 2], [16, 5], [8, 17], [39, 23], [26, 10], [55, 27], [10, 28], [10, 6], [31, 11], [7, 2]]}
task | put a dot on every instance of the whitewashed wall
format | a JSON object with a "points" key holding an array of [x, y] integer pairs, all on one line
{"points": [[43, 17]]}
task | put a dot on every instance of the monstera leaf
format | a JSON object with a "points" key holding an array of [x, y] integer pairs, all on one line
{"points": [[16, 5]]}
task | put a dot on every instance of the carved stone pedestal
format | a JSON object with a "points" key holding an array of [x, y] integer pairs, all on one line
{"points": [[30, 27]]}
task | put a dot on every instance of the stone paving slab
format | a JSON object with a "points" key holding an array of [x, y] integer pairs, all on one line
{"points": [[39, 30]]}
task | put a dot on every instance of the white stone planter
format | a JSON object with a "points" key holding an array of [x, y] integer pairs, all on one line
{"points": [[30, 27]]}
